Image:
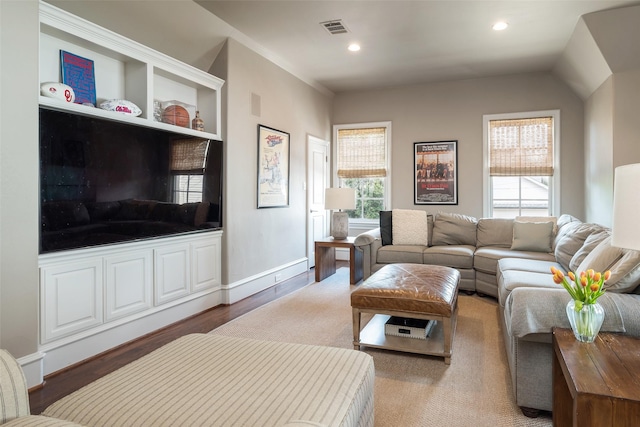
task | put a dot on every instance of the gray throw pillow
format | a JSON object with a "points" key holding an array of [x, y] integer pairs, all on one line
{"points": [[590, 243], [454, 229], [532, 236]]}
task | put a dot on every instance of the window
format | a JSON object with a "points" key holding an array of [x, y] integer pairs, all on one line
{"points": [[521, 158], [188, 158], [187, 188], [362, 159]]}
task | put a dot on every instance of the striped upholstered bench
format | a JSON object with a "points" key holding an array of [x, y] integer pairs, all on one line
{"points": [[214, 380]]}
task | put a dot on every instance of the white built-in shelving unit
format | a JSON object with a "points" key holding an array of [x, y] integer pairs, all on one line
{"points": [[96, 298]]}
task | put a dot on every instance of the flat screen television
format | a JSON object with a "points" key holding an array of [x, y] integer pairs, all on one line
{"points": [[105, 182]]}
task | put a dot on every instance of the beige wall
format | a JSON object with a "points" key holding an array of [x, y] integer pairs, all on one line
{"points": [[626, 123], [19, 223], [258, 240], [599, 154], [612, 139], [454, 110]]}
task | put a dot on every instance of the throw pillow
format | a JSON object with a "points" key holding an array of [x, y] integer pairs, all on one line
{"points": [[386, 230], [454, 229], [625, 273], [552, 219], [532, 236], [589, 244], [601, 258], [410, 227]]}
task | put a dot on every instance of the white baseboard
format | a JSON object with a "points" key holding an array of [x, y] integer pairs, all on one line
{"points": [[67, 351], [71, 350], [241, 289], [33, 368]]}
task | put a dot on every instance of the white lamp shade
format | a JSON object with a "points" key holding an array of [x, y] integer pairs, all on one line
{"points": [[340, 198], [625, 230]]}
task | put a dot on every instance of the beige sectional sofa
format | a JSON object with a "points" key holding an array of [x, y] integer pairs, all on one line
{"points": [[472, 246], [511, 260]]}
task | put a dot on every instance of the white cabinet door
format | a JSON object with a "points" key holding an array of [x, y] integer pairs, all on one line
{"points": [[172, 273], [71, 298], [206, 264], [128, 283]]}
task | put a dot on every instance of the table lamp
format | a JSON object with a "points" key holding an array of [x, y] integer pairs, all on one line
{"points": [[625, 230], [340, 198]]}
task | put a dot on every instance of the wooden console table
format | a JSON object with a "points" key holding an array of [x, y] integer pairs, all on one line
{"points": [[326, 258], [596, 384]]}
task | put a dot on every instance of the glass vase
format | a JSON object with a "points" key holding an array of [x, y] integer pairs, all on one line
{"points": [[586, 322]]}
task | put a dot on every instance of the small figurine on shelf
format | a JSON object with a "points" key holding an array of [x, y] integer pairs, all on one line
{"points": [[197, 123]]}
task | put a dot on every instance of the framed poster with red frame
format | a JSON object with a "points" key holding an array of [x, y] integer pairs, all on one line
{"points": [[436, 173]]}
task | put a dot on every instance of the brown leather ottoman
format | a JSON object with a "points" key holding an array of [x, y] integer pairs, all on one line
{"points": [[415, 291]]}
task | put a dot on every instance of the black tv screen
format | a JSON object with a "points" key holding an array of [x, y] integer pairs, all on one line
{"points": [[105, 182]]}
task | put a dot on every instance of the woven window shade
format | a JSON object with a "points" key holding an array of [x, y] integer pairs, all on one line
{"points": [[189, 155], [521, 147], [362, 153]]}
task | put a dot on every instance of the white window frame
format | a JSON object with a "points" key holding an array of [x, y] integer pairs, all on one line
{"points": [[364, 224], [176, 191], [487, 195]]}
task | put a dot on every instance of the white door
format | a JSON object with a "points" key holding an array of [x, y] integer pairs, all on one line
{"points": [[317, 181]]}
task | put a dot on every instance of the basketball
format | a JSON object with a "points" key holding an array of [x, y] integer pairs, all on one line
{"points": [[176, 115]]}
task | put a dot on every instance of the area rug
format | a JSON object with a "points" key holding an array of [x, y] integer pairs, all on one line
{"points": [[410, 390]]}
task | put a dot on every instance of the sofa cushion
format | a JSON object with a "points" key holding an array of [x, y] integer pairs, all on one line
{"points": [[400, 253], [552, 219], [494, 232], [513, 279], [410, 227], [386, 228], [532, 236], [454, 229], [533, 265], [39, 421], [486, 259], [589, 244], [623, 263], [455, 256], [565, 225], [573, 236]]}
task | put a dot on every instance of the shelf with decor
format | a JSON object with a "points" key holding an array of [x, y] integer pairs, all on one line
{"points": [[101, 287], [126, 70]]}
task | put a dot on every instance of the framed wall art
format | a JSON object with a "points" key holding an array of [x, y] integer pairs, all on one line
{"points": [[436, 173], [273, 168]]}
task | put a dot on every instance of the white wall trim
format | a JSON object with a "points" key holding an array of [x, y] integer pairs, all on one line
{"points": [[241, 289], [33, 368]]}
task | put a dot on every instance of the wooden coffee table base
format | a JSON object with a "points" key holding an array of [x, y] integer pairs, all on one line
{"points": [[373, 335]]}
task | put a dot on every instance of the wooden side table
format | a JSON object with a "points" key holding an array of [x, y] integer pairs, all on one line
{"points": [[596, 384], [326, 258]]}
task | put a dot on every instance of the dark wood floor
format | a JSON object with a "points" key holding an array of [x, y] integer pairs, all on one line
{"points": [[60, 384]]}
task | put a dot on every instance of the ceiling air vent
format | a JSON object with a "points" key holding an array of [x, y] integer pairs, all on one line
{"points": [[335, 27]]}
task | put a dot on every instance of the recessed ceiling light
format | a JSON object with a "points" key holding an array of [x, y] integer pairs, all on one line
{"points": [[499, 26], [354, 47]]}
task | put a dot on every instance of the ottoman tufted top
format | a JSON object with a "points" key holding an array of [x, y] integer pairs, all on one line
{"points": [[419, 288]]}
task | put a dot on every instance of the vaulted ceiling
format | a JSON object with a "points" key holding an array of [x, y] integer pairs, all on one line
{"points": [[402, 42]]}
